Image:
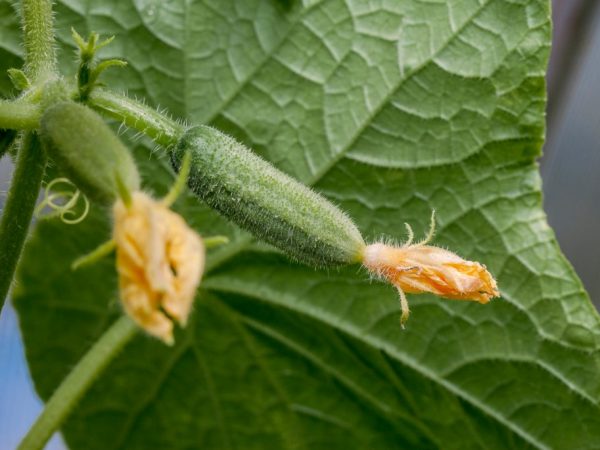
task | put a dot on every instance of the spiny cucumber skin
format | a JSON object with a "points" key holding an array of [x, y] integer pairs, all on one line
{"points": [[263, 200], [87, 151]]}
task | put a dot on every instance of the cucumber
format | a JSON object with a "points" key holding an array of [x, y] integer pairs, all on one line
{"points": [[273, 206], [87, 151]]}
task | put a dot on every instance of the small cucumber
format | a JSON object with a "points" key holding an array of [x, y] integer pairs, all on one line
{"points": [[87, 151], [270, 204]]}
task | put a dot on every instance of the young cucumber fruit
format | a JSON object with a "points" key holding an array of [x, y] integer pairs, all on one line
{"points": [[270, 204], [87, 151]]}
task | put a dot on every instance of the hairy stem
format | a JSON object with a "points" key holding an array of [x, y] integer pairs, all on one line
{"points": [[38, 37], [75, 384], [157, 126], [19, 115], [19, 207]]}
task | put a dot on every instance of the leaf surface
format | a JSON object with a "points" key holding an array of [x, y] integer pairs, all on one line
{"points": [[391, 109]]}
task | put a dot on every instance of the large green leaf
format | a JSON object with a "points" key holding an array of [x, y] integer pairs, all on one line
{"points": [[390, 108]]}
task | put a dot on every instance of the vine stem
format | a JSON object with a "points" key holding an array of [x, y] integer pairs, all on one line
{"points": [[78, 381], [20, 203], [19, 115], [38, 37], [40, 64], [163, 130]]}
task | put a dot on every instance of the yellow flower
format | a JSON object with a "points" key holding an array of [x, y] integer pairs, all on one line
{"points": [[420, 268], [160, 261]]}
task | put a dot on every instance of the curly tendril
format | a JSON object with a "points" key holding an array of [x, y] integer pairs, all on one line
{"points": [[63, 202]]}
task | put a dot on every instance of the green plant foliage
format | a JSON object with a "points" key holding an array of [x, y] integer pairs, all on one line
{"points": [[390, 109]]}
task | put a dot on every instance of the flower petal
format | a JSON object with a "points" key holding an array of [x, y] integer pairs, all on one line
{"points": [[160, 261]]}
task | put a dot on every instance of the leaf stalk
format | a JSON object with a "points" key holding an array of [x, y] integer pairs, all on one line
{"points": [[72, 388]]}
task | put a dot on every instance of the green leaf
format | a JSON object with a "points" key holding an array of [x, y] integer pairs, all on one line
{"points": [[390, 109]]}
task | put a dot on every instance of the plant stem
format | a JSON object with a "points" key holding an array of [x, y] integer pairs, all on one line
{"points": [[19, 115], [78, 382], [160, 128], [19, 207], [98, 253], [38, 37]]}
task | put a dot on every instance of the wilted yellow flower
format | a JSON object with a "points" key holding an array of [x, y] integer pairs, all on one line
{"points": [[419, 268], [160, 261]]}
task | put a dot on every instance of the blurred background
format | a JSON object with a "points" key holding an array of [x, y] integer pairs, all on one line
{"points": [[570, 171], [571, 163]]}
